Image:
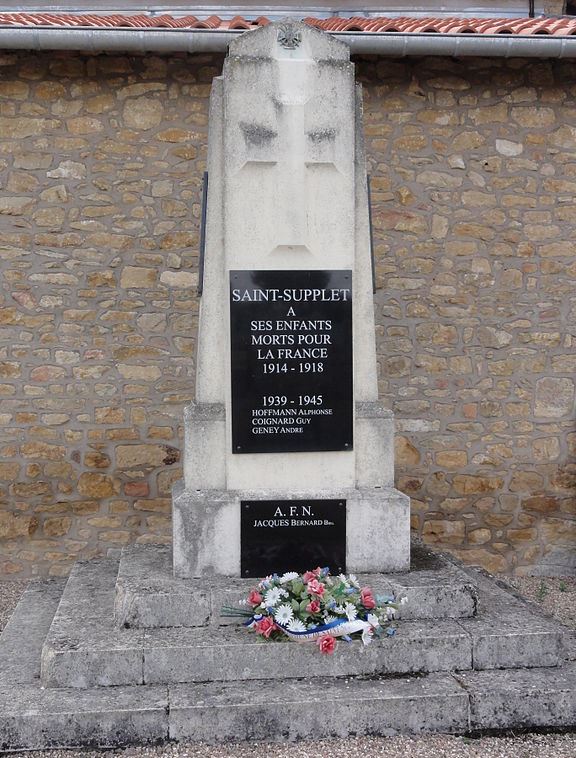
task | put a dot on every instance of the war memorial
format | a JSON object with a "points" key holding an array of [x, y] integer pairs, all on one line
{"points": [[288, 465]]}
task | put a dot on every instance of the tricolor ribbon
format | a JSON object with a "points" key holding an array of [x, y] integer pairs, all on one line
{"points": [[337, 628]]}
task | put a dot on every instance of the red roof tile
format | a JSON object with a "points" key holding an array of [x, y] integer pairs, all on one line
{"points": [[560, 27]]}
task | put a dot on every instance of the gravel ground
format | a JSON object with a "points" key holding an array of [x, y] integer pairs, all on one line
{"points": [[557, 595], [9, 595], [436, 746]]}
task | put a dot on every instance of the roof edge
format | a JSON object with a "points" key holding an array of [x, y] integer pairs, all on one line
{"points": [[395, 44]]}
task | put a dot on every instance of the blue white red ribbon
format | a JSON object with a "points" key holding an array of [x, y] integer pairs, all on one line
{"points": [[337, 628]]}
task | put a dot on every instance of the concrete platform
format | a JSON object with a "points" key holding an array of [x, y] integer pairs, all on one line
{"points": [[148, 595], [279, 707]]}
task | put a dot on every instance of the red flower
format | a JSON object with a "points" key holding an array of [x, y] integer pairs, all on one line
{"points": [[314, 587], [254, 598], [309, 575], [326, 643], [313, 606], [265, 626], [367, 598]]}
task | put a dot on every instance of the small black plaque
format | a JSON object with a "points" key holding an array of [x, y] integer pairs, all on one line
{"points": [[292, 535], [291, 340]]}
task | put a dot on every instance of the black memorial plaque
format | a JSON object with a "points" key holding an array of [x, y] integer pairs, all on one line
{"points": [[291, 338], [292, 535]]}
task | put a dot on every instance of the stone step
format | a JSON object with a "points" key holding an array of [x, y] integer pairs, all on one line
{"points": [[149, 596], [26, 630], [34, 718], [85, 649]]}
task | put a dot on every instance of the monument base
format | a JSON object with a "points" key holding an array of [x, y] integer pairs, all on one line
{"points": [[149, 596], [206, 526], [71, 676]]}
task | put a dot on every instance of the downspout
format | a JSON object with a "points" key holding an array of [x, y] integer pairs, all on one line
{"points": [[394, 44]]}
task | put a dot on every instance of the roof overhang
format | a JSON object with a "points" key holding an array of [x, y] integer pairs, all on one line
{"points": [[386, 36]]}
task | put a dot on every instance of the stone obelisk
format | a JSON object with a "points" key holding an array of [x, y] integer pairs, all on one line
{"points": [[288, 260]]}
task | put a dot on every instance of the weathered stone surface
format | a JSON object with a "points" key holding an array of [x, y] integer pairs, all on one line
{"points": [[521, 698], [554, 397], [138, 277], [132, 456], [143, 113], [34, 719], [405, 453], [225, 654], [97, 485], [15, 525], [149, 596], [181, 279], [25, 631], [378, 707]]}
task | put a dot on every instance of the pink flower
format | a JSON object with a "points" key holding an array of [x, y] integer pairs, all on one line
{"points": [[254, 598], [265, 626], [314, 587], [309, 575], [313, 606], [326, 643], [367, 598]]}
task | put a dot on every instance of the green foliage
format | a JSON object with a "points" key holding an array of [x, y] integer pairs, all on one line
{"points": [[542, 591]]}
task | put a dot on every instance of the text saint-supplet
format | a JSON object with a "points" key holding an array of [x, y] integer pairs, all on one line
{"points": [[300, 295]]}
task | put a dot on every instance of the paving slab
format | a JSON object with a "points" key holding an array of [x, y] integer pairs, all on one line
{"points": [[508, 632], [235, 654], [91, 654], [514, 639], [24, 634], [521, 698], [317, 708], [32, 718], [438, 594], [149, 596], [83, 647]]}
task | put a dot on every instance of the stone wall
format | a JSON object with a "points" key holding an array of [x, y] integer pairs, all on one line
{"points": [[473, 168]]}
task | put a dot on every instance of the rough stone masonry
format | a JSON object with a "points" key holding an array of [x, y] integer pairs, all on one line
{"points": [[473, 167]]}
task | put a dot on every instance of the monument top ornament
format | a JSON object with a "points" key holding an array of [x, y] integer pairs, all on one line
{"points": [[289, 36]]}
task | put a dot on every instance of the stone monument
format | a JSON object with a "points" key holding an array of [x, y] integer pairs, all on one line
{"points": [[288, 452], [288, 463]]}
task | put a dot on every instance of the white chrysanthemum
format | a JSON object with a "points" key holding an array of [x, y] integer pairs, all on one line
{"points": [[350, 611], [288, 577], [340, 609], [390, 613], [296, 626], [329, 619], [373, 620], [283, 614], [367, 636], [343, 578], [273, 596], [353, 581]]}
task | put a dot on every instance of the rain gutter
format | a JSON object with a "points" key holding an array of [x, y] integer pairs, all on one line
{"points": [[395, 44]]}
